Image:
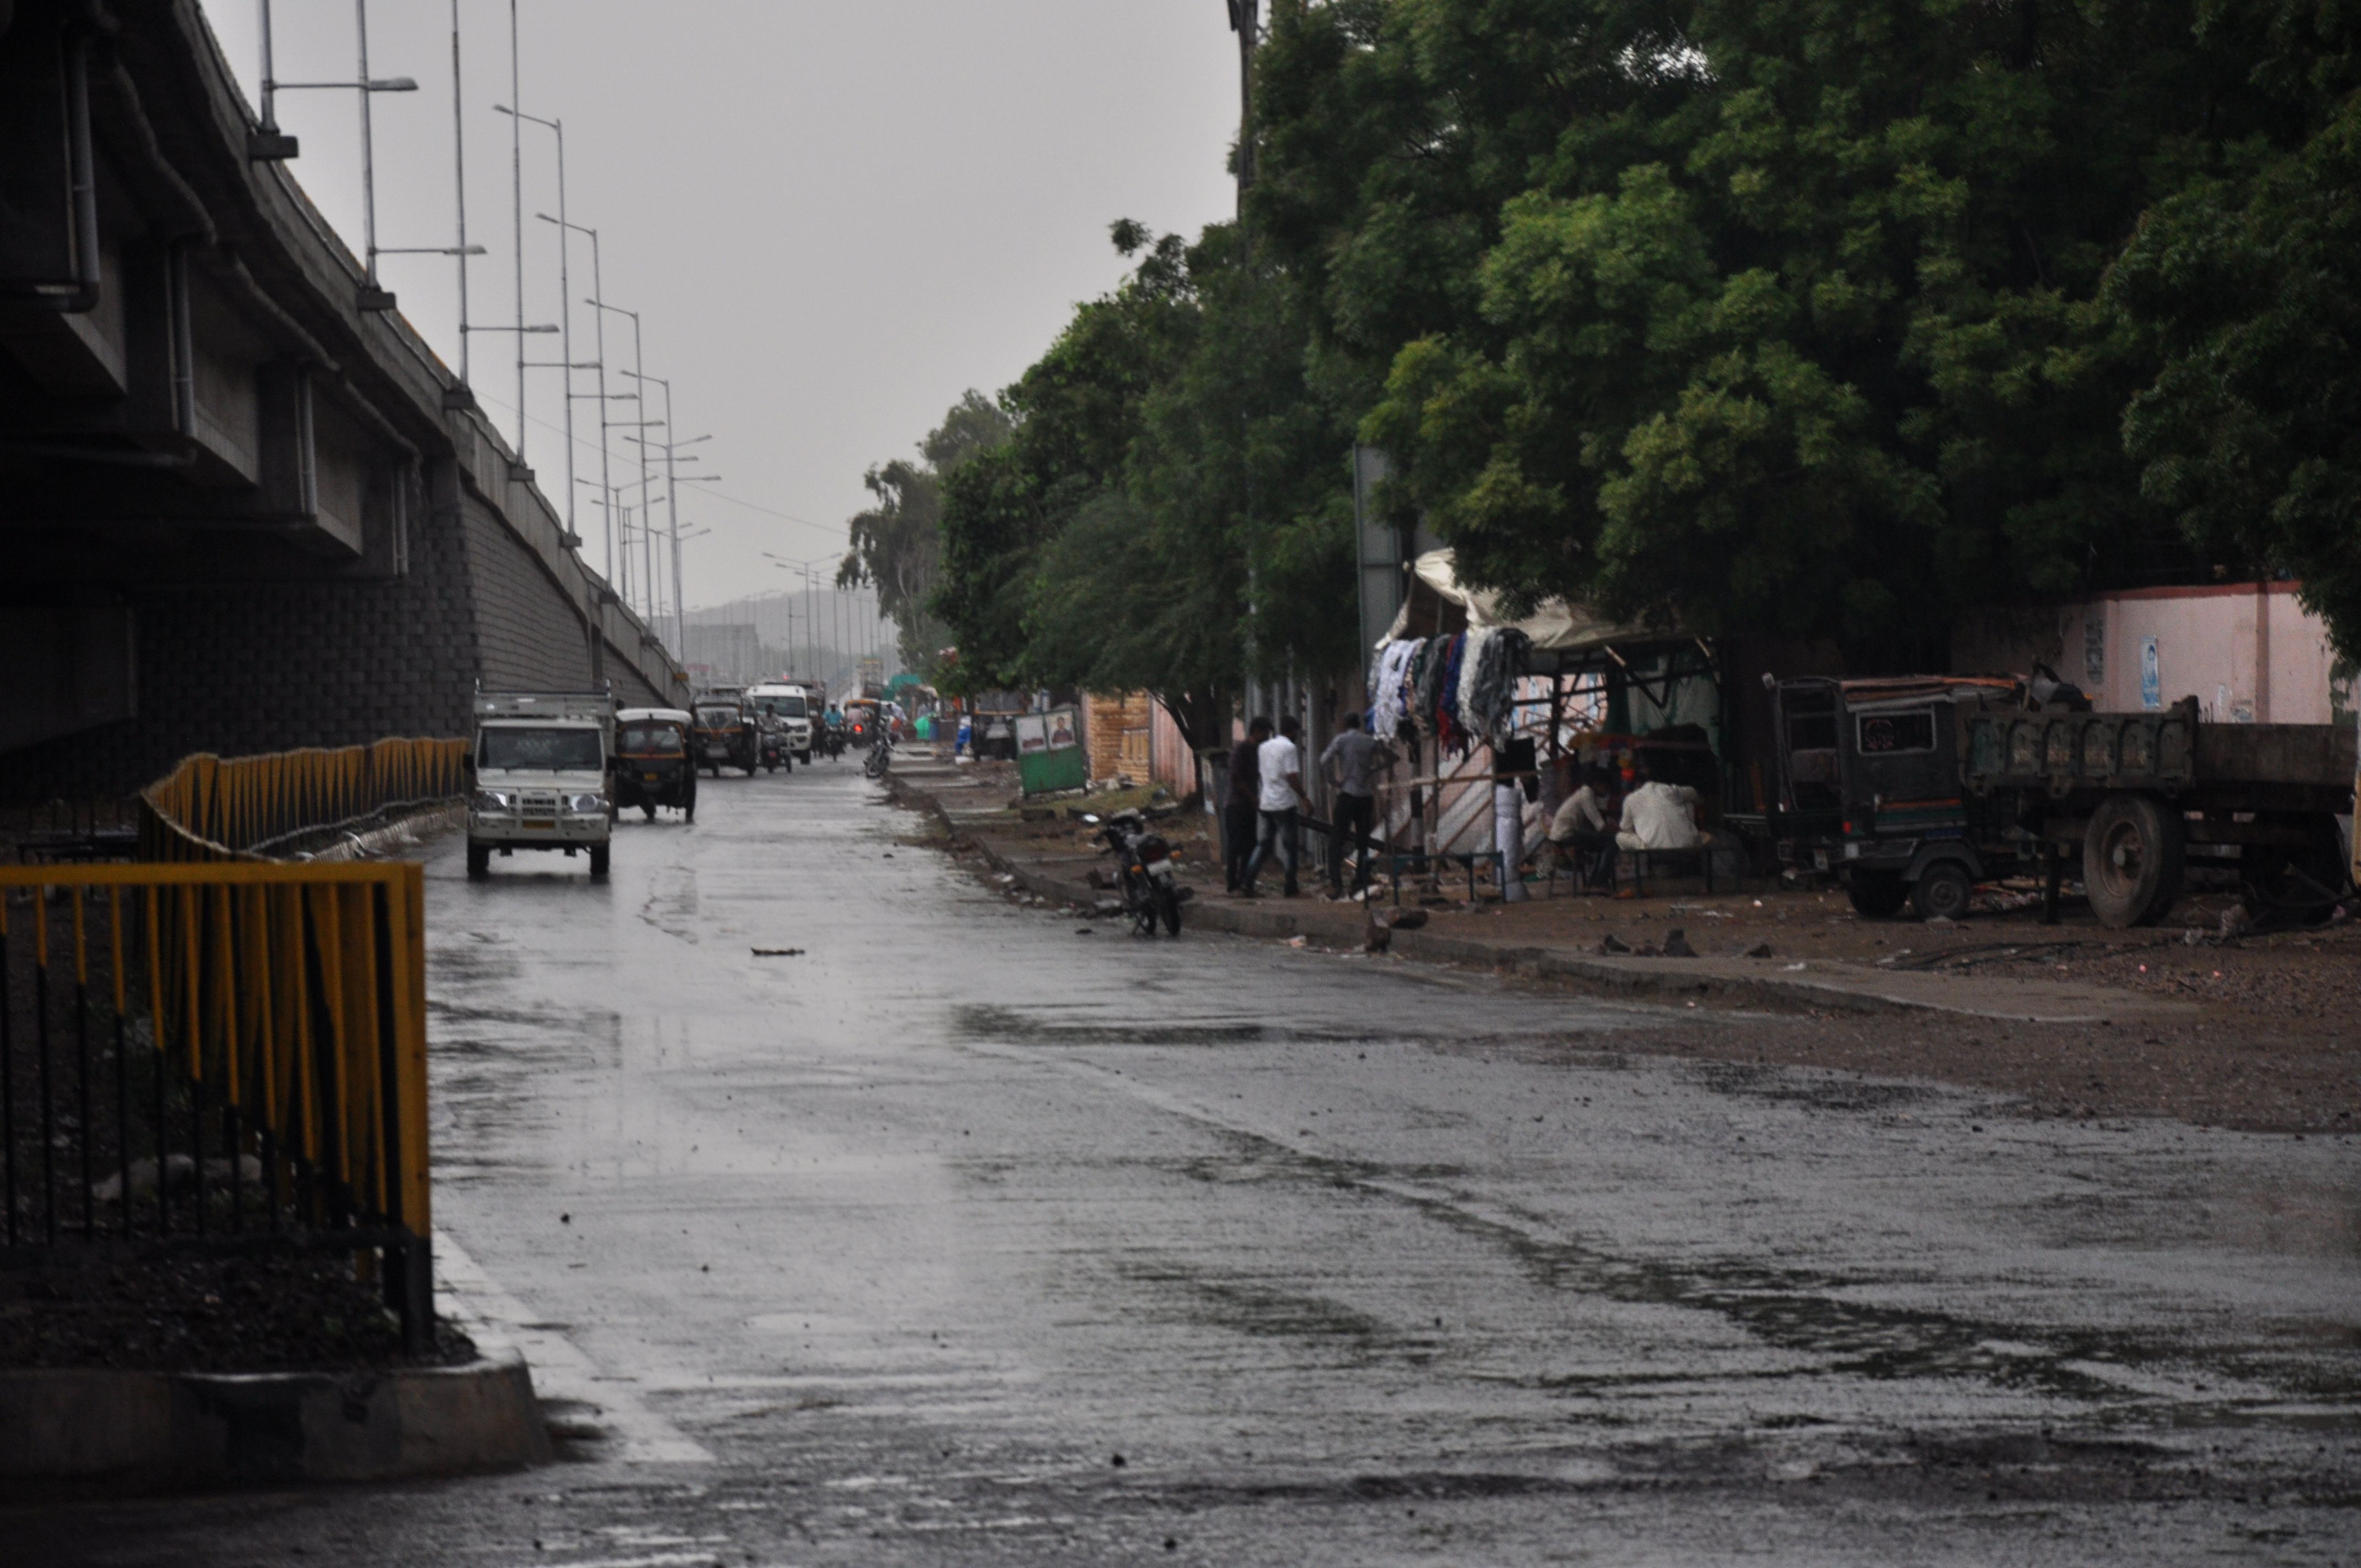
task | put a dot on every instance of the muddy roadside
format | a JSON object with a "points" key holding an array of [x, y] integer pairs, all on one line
{"points": [[2268, 1039]]}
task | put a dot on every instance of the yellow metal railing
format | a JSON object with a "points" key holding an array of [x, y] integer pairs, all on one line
{"points": [[190, 1049], [214, 808]]}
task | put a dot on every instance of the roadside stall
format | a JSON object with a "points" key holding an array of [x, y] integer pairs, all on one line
{"points": [[1486, 711]]}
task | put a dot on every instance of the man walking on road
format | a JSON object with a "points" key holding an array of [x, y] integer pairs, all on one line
{"points": [[1241, 803], [1280, 763], [1351, 764]]}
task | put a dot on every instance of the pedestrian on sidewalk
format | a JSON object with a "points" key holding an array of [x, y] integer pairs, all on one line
{"points": [[1241, 803], [1351, 765], [1279, 761]]}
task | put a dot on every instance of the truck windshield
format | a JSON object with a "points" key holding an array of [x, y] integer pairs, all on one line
{"points": [[784, 706], [559, 750]]}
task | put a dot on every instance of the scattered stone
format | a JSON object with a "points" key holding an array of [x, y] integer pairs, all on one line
{"points": [[1676, 944], [1298, 941], [1611, 943], [2235, 921], [1759, 950], [1406, 919]]}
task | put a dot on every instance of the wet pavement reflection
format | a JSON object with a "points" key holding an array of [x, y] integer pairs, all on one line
{"points": [[963, 1235]]}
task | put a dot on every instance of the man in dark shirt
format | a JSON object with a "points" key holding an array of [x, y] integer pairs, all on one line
{"points": [[1352, 763], [1238, 807]]}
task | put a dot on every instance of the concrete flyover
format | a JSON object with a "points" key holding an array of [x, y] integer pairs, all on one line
{"points": [[243, 506]]}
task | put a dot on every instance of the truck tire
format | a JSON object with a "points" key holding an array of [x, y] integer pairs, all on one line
{"points": [[1942, 891], [598, 862], [804, 757], [2132, 859], [480, 861], [1876, 894]]}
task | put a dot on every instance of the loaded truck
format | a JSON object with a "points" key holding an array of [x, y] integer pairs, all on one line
{"points": [[1914, 789], [540, 771]]}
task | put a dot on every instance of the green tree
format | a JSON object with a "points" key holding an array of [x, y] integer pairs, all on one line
{"points": [[1765, 314], [2247, 283], [896, 544]]}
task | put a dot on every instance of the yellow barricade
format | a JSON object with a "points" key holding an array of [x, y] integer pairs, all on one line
{"points": [[214, 808], [258, 1031]]}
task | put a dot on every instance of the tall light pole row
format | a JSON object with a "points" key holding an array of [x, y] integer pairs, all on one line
{"points": [[637, 582]]}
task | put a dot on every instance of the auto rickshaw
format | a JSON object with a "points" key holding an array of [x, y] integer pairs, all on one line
{"points": [[724, 736], [652, 761]]}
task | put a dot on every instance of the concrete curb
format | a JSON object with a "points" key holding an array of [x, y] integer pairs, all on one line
{"points": [[132, 1432], [393, 837], [1656, 980]]}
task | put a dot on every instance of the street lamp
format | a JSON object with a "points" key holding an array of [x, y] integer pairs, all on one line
{"points": [[607, 518], [372, 298], [646, 567]]}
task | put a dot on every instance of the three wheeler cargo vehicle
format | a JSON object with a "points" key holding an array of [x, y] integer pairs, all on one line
{"points": [[1914, 789], [652, 765]]}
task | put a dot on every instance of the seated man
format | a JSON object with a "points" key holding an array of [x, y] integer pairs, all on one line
{"points": [[1660, 817], [1579, 828]]}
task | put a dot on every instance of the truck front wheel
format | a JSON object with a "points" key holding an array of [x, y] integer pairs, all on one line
{"points": [[1876, 894], [1942, 891], [598, 862], [2132, 859], [480, 861]]}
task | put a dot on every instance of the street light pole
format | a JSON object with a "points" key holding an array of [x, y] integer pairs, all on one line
{"points": [[565, 293], [516, 182], [459, 190], [606, 490], [647, 565], [271, 145]]}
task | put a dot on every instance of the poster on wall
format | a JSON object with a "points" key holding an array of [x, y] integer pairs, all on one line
{"points": [[2151, 675], [1032, 734]]}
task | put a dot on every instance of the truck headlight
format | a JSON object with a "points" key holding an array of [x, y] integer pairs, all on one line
{"points": [[587, 804], [490, 800]]}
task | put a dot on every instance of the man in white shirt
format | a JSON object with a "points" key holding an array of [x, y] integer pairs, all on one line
{"points": [[1660, 817], [1280, 759], [1579, 829]]}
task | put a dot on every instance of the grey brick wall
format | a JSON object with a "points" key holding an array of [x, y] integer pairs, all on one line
{"points": [[238, 668], [528, 637]]}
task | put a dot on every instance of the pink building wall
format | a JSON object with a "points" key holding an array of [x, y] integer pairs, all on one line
{"points": [[2248, 651]]}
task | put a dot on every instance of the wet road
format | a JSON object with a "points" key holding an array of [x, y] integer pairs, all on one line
{"points": [[959, 1237]]}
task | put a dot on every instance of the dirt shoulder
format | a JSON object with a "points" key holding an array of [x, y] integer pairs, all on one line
{"points": [[2255, 1032]]}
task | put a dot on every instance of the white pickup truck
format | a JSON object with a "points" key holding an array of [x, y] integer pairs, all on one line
{"points": [[540, 768]]}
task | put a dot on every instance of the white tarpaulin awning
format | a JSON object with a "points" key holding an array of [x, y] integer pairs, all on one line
{"points": [[1436, 603]]}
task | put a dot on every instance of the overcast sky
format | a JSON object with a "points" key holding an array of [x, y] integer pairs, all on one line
{"points": [[833, 216]]}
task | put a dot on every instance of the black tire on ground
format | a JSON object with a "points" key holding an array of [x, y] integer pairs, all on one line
{"points": [[1877, 894], [598, 861], [2132, 859], [1942, 892], [480, 861], [1167, 903], [804, 757], [649, 807]]}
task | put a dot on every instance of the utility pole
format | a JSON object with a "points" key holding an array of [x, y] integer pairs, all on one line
{"points": [[1245, 20], [516, 181], [459, 190], [565, 300]]}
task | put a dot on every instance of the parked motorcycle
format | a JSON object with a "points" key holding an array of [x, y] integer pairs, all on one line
{"points": [[1144, 871], [880, 757]]}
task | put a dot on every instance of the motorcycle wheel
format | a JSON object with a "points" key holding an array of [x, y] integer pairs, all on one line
{"points": [[1167, 903]]}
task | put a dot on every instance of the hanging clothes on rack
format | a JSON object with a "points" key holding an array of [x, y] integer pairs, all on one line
{"points": [[1471, 662], [1491, 700], [1388, 684]]}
